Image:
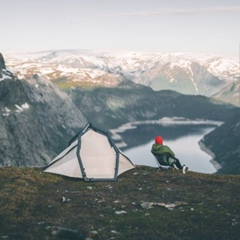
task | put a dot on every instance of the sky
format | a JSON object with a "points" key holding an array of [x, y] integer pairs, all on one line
{"points": [[162, 26]]}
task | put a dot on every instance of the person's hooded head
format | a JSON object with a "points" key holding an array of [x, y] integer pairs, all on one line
{"points": [[159, 140]]}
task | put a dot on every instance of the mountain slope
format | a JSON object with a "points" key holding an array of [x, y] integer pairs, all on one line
{"points": [[37, 120], [230, 93], [224, 142]]}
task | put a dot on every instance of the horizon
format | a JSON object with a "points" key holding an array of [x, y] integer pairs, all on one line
{"points": [[152, 26]]}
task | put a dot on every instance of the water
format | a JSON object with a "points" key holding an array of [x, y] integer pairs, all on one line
{"points": [[182, 139]]}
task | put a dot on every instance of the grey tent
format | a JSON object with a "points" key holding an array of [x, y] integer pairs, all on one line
{"points": [[91, 155]]}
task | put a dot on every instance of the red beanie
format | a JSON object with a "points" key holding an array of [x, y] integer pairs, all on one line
{"points": [[158, 140]]}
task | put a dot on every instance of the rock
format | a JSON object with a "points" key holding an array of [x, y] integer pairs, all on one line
{"points": [[148, 205], [2, 62], [37, 121], [66, 233], [71, 234]]}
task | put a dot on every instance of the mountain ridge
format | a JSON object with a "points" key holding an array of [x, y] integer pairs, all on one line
{"points": [[183, 72]]}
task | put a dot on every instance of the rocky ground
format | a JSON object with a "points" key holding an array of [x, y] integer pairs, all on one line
{"points": [[142, 204]]}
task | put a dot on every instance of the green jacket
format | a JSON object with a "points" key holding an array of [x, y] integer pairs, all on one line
{"points": [[158, 150]]}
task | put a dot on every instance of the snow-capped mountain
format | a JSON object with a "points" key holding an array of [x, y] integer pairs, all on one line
{"points": [[182, 72]]}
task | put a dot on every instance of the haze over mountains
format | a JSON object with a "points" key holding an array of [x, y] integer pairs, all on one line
{"points": [[185, 73], [38, 118]]}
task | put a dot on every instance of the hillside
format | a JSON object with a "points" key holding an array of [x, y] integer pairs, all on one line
{"points": [[224, 142], [37, 120], [37, 205], [129, 102]]}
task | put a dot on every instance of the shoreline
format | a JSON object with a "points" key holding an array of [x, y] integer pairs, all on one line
{"points": [[165, 121], [205, 149]]}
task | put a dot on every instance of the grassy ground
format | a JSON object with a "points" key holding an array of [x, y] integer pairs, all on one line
{"points": [[33, 202]]}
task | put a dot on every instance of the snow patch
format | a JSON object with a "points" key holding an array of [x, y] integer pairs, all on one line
{"points": [[22, 107], [4, 77], [7, 109], [25, 106], [6, 112]]}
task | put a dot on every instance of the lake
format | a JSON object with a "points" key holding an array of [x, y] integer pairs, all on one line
{"points": [[136, 139]]}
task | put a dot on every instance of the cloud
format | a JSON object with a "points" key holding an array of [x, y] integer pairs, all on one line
{"points": [[177, 11]]}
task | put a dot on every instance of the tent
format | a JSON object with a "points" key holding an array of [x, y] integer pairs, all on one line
{"points": [[91, 155]]}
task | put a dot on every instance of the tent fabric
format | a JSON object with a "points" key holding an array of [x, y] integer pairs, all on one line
{"points": [[91, 155]]}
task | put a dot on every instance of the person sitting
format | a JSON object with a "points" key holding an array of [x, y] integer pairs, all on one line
{"points": [[165, 156]]}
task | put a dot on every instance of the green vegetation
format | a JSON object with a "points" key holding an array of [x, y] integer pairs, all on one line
{"points": [[64, 84], [32, 202]]}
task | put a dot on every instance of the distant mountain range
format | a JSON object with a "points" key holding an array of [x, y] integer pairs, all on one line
{"points": [[195, 74]]}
